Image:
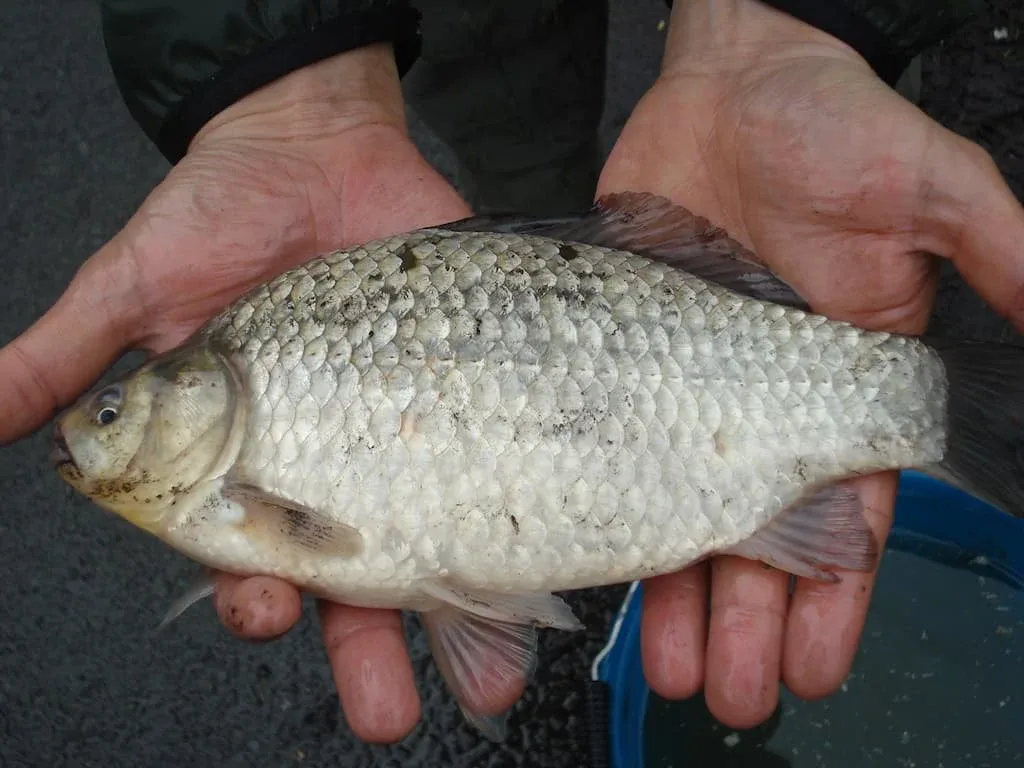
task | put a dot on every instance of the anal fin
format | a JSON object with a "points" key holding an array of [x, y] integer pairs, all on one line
{"points": [[824, 530], [485, 663], [280, 519], [485, 646]]}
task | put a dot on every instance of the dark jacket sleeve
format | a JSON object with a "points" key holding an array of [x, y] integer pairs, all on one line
{"points": [[889, 34], [178, 63]]}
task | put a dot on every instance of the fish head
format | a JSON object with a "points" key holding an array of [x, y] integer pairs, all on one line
{"points": [[136, 445]]}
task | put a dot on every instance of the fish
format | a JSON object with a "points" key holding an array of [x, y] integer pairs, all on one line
{"points": [[464, 420]]}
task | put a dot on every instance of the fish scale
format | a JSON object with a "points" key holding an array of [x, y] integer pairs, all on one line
{"points": [[502, 401]]}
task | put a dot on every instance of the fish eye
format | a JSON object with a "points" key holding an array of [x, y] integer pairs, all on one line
{"points": [[107, 415]]}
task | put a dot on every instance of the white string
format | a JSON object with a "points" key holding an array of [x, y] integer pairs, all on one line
{"points": [[615, 631]]}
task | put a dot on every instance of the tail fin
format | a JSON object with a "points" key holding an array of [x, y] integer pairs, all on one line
{"points": [[985, 421]]}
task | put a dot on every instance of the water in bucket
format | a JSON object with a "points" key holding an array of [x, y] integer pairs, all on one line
{"points": [[936, 682]]}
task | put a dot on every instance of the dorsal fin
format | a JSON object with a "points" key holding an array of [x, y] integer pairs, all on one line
{"points": [[655, 227]]}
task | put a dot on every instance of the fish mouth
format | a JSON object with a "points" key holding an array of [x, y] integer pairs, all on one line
{"points": [[60, 454]]}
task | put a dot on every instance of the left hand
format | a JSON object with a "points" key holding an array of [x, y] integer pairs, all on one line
{"points": [[317, 160], [784, 136]]}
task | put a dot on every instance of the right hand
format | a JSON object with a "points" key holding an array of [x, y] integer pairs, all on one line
{"points": [[785, 137], [313, 162]]}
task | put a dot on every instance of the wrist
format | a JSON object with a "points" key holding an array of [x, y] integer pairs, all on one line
{"points": [[719, 37], [359, 88]]}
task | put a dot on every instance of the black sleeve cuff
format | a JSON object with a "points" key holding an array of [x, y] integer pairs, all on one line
{"points": [[888, 34], [178, 63]]}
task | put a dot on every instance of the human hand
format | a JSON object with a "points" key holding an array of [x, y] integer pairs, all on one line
{"points": [[315, 161], [784, 136]]}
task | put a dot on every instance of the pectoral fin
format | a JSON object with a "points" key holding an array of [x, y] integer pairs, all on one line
{"points": [[281, 519], [485, 646], [826, 529]]}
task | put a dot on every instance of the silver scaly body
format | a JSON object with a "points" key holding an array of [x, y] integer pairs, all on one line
{"points": [[513, 414]]}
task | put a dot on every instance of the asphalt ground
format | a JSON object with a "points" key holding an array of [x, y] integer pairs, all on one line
{"points": [[84, 678]]}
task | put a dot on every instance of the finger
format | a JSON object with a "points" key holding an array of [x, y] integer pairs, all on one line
{"points": [[825, 621], [69, 348], [979, 221], [258, 608], [372, 671], [673, 632], [744, 653]]}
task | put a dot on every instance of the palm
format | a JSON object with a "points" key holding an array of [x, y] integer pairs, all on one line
{"points": [[816, 167], [229, 217], [189, 261]]}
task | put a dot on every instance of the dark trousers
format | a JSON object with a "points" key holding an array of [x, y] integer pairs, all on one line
{"points": [[515, 88]]}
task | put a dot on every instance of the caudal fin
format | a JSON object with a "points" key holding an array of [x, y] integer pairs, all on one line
{"points": [[985, 421]]}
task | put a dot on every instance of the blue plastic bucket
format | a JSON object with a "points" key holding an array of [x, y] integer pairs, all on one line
{"points": [[932, 519]]}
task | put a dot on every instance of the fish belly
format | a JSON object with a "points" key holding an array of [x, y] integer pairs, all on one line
{"points": [[518, 414]]}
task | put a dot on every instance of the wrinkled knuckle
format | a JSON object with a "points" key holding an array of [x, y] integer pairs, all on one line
{"points": [[747, 620], [824, 593], [342, 624], [111, 284], [37, 381], [335, 638]]}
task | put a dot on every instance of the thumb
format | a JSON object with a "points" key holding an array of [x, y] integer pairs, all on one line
{"points": [[71, 346], [979, 221]]}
